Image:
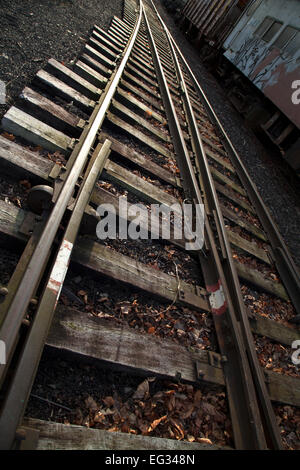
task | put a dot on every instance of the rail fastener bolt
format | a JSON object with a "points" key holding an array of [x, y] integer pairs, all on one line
{"points": [[3, 291]]}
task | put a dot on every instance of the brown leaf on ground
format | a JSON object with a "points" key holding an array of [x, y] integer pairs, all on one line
{"points": [[113, 429], [142, 391], [188, 412], [17, 201], [143, 426], [26, 184], [82, 292], [204, 440], [109, 401], [99, 417], [38, 148], [125, 308], [179, 432], [91, 404], [154, 266], [78, 419], [198, 398], [208, 408], [156, 422], [8, 136], [171, 402]]}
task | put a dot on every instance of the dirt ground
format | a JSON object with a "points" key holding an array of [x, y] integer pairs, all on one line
{"points": [[32, 32]]}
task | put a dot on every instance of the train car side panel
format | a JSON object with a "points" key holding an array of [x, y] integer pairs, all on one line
{"points": [[265, 47]]}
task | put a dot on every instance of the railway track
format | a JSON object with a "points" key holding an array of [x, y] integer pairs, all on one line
{"points": [[130, 125]]}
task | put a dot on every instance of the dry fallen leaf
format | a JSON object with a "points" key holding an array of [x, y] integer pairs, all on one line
{"points": [[109, 401], [17, 201], [142, 391], [179, 432], [99, 417], [188, 411], [82, 292], [37, 149], [204, 440], [91, 404], [171, 402], [26, 184], [8, 136], [156, 422], [197, 398]]}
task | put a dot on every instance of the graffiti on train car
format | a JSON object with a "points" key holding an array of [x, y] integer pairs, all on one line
{"points": [[254, 42], [271, 71], [264, 45]]}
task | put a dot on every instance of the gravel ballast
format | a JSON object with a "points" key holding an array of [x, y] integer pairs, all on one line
{"points": [[32, 32]]}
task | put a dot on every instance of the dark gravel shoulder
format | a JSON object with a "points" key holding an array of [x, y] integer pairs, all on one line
{"points": [[33, 31], [270, 175]]}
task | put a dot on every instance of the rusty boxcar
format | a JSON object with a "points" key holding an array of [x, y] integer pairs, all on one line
{"points": [[258, 45]]}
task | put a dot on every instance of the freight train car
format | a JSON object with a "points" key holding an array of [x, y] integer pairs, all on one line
{"points": [[211, 20], [255, 46]]}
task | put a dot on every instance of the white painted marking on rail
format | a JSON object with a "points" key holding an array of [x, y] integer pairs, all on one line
{"points": [[60, 268], [217, 300]]}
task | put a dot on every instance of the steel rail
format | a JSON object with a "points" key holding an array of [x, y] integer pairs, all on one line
{"points": [[247, 423], [27, 286], [19, 389], [228, 264], [33, 270], [281, 256]]}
